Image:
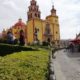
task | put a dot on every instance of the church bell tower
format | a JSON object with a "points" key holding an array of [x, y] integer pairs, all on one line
{"points": [[33, 11], [53, 11]]}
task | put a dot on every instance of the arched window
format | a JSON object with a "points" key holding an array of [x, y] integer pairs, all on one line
{"points": [[47, 29], [35, 15]]}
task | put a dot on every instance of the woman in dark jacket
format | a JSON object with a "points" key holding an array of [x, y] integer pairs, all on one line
{"points": [[22, 38]]}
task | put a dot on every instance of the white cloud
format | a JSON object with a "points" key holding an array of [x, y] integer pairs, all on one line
{"points": [[10, 4], [68, 11]]}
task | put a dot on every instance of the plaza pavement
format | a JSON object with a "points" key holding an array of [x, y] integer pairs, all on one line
{"points": [[66, 65]]}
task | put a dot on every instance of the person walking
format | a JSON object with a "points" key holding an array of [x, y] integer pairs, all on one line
{"points": [[22, 38]]}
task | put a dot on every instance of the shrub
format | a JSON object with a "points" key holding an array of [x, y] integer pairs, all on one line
{"points": [[3, 41], [25, 66], [45, 43], [9, 49]]}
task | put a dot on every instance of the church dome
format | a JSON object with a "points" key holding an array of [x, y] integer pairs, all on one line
{"points": [[20, 24]]}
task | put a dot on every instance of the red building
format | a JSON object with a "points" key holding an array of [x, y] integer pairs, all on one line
{"points": [[17, 27]]}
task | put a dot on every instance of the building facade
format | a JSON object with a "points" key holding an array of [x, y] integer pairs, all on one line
{"points": [[16, 28], [42, 30], [37, 29]]}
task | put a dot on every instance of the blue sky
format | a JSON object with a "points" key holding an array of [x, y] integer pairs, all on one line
{"points": [[67, 10]]}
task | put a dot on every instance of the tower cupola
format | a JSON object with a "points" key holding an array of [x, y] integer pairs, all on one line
{"points": [[53, 11], [34, 11]]}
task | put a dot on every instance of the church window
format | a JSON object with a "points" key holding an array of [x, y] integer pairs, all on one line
{"points": [[56, 32], [47, 29], [35, 14]]}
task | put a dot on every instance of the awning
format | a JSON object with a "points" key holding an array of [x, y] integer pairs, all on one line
{"points": [[75, 41]]}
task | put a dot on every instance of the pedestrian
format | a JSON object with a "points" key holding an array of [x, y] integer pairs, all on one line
{"points": [[10, 37], [71, 47], [22, 38]]}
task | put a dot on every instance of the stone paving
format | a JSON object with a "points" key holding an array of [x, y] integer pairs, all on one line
{"points": [[66, 66]]}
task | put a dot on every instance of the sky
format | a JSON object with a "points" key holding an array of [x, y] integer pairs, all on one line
{"points": [[67, 10]]}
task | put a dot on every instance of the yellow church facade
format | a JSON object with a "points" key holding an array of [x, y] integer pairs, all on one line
{"points": [[48, 29], [37, 29]]}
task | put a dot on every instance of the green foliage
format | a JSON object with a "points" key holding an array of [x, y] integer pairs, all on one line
{"points": [[25, 65], [45, 43], [9, 49], [3, 41]]}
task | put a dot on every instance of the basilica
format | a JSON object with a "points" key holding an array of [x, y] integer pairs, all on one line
{"points": [[37, 29]]}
